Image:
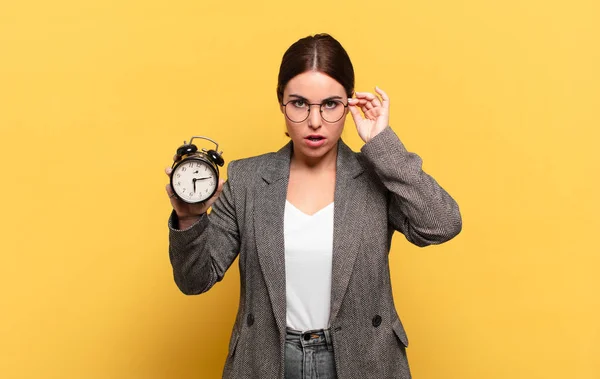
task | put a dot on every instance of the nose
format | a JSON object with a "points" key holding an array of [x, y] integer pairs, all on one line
{"points": [[314, 117]]}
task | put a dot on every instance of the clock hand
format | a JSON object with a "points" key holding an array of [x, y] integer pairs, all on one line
{"points": [[194, 180]]}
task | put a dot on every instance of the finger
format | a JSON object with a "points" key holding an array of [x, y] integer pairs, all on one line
{"points": [[376, 102], [360, 102], [168, 170], [377, 111], [372, 114], [372, 101], [214, 197], [356, 116], [364, 108], [170, 191], [365, 104], [363, 95], [176, 158], [366, 95], [384, 96], [352, 101], [360, 96], [219, 189]]}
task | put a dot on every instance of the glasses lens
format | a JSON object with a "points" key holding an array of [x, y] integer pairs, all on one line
{"points": [[297, 110], [332, 110]]}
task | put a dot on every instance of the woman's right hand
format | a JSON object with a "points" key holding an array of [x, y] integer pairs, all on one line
{"points": [[190, 212]]}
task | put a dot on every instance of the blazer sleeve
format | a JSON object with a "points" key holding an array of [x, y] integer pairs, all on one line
{"points": [[418, 206], [201, 254]]}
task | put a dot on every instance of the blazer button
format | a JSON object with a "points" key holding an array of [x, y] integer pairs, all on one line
{"points": [[250, 319], [376, 320]]}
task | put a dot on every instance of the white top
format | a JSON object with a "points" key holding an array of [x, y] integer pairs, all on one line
{"points": [[308, 241]]}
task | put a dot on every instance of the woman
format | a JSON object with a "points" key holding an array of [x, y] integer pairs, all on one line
{"points": [[312, 224]]}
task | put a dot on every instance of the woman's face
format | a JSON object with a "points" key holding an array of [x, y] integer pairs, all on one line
{"points": [[314, 137]]}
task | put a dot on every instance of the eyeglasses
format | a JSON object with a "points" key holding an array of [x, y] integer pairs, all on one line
{"points": [[298, 110]]}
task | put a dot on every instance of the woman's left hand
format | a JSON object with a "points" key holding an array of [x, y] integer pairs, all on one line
{"points": [[376, 113]]}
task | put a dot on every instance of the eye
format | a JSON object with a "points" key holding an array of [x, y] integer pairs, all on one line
{"points": [[299, 103], [330, 104]]}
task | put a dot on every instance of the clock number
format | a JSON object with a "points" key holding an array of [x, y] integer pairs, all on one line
{"points": [[183, 169]]}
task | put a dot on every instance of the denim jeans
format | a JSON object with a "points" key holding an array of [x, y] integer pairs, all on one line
{"points": [[309, 355]]}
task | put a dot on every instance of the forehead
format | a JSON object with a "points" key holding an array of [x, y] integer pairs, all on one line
{"points": [[314, 85]]}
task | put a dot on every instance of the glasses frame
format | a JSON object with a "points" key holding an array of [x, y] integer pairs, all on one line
{"points": [[310, 105]]}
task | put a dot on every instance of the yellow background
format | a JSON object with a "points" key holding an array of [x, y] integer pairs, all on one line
{"points": [[500, 98]]}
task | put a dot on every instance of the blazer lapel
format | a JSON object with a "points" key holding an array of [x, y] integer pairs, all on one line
{"points": [[268, 223], [348, 210], [269, 210]]}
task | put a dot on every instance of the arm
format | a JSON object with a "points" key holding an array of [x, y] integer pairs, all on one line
{"points": [[201, 253], [418, 207]]}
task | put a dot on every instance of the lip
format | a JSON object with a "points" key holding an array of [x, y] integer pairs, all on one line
{"points": [[318, 143]]}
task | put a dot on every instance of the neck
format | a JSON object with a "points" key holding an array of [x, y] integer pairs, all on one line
{"points": [[323, 163]]}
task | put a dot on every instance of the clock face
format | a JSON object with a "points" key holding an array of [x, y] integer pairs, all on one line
{"points": [[194, 180]]}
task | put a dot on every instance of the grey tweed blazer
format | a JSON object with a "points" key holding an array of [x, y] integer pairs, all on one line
{"points": [[377, 191]]}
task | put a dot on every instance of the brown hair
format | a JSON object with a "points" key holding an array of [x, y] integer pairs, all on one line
{"points": [[320, 52]]}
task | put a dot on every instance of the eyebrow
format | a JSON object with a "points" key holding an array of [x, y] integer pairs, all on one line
{"points": [[322, 101]]}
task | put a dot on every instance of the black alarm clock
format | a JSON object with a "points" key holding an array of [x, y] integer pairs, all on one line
{"points": [[195, 177]]}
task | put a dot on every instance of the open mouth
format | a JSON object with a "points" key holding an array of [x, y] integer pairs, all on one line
{"points": [[315, 138]]}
